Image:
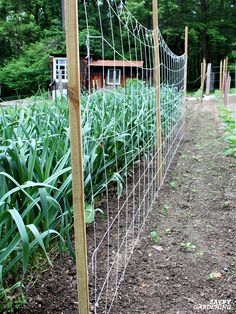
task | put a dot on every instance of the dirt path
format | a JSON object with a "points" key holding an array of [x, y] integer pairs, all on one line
{"points": [[200, 211], [197, 212]]}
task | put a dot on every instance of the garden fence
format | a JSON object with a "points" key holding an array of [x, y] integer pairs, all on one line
{"points": [[126, 126]]}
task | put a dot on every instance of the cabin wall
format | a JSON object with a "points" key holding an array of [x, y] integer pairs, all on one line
{"points": [[93, 77], [98, 76]]}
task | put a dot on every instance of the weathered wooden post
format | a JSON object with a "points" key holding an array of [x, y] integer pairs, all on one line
{"points": [[203, 78], [72, 47], [229, 83], [220, 79], [223, 76], [227, 88], [186, 61], [226, 64], [208, 81], [158, 91]]}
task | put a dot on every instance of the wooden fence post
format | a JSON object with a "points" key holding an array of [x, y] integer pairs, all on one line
{"points": [[229, 83], [203, 78], [227, 88], [220, 79], [226, 64], [186, 65], [72, 44], [223, 76], [208, 82], [158, 91]]}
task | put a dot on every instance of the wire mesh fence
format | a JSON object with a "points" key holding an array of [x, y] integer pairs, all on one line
{"points": [[132, 117]]}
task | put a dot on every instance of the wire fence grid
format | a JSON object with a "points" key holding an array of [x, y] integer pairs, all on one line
{"points": [[121, 136]]}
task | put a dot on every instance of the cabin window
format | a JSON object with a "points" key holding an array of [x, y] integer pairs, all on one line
{"points": [[60, 65], [113, 77]]}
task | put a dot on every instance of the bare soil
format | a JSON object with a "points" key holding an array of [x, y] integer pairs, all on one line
{"points": [[193, 263]]}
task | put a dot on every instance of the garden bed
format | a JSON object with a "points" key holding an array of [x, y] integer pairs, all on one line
{"points": [[193, 261]]}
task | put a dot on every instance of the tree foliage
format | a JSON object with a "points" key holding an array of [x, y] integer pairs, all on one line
{"points": [[31, 30]]}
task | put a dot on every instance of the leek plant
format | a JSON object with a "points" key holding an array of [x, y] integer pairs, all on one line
{"points": [[36, 212]]}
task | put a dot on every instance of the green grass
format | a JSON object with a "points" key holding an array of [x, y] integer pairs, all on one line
{"points": [[232, 91]]}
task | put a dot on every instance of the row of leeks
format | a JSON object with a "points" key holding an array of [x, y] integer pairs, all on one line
{"points": [[119, 126]]}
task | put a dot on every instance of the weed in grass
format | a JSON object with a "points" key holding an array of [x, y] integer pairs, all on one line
{"points": [[174, 174], [214, 276], [11, 299], [196, 158], [185, 157], [168, 231], [198, 254], [209, 227], [226, 204], [187, 247], [232, 91], [199, 146], [166, 210], [154, 236], [189, 215], [173, 184]]}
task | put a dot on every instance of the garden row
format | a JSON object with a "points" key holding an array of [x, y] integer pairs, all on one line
{"points": [[119, 126]]}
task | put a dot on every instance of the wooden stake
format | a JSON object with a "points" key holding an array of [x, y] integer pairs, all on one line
{"points": [[223, 76], [201, 74], [227, 88], [186, 66], [208, 82], [229, 84], [226, 64], [157, 84], [220, 87], [72, 43], [203, 78]]}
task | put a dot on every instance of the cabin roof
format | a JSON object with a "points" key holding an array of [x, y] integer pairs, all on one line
{"points": [[58, 55], [116, 63]]}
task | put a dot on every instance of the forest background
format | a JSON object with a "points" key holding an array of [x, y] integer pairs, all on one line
{"points": [[32, 30]]}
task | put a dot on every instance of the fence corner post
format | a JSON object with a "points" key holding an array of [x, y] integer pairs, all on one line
{"points": [[72, 47]]}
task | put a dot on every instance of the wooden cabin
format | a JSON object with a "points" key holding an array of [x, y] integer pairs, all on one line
{"points": [[111, 73], [95, 74]]}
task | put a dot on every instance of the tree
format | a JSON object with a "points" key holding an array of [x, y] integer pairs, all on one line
{"points": [[23, 24]]}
